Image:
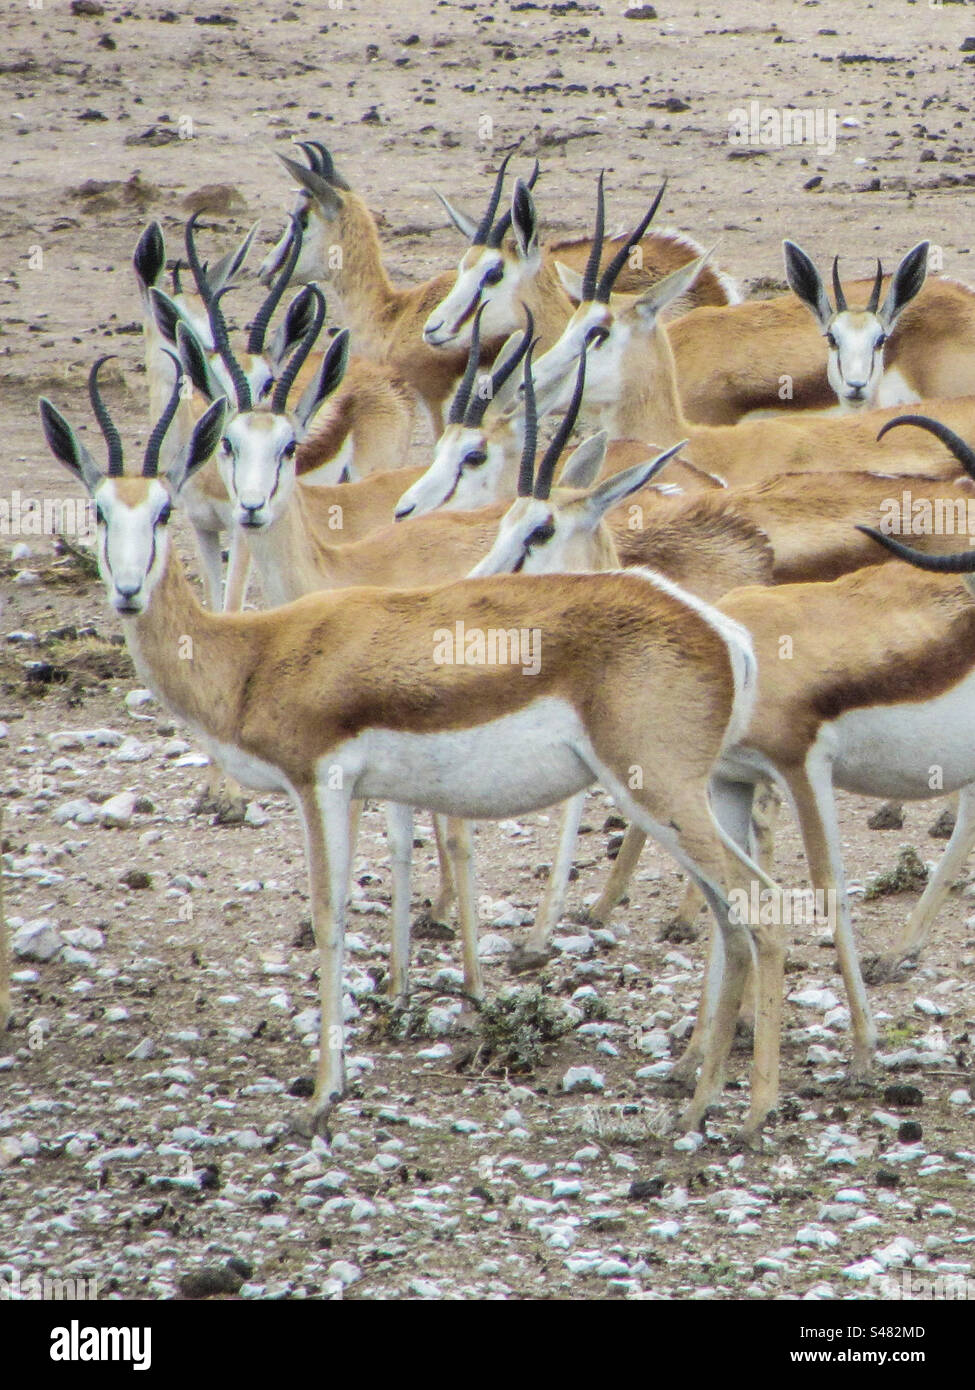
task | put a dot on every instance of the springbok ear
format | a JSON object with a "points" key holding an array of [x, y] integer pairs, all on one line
{"points": [[467, 226], [620, 485], [149, 259], [66, 447], [297, 322], [904, 285], [203, 441], [223, 272], [524, 221], [327, 379], [583, 465], [652, 302], [806, 282], [166, 312], [325, 194], [196, 363], [571, 281]]}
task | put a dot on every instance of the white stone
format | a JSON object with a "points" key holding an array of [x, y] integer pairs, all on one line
{"points": [[117, 811], [491, 944], [37, 940], [583, 1079]]}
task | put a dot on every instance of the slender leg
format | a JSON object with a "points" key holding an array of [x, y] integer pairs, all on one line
{"points": [[208, 544], [553, 899], [238, 572], [443, 827], [325, 817], [399, 833], [619, 876], [812, 793], [915, 932], [460, 842]]}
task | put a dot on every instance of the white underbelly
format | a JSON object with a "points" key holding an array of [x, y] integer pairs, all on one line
{"points": [[508, 766], [909, 751]]}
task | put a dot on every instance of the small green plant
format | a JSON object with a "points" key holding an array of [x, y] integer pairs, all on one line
{"points": [[908, 874], [516, 1025]]}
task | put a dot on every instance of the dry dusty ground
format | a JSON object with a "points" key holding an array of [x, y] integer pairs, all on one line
{"points": [[145, 1095]]}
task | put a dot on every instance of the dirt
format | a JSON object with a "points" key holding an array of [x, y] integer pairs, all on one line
{"points": [[146, 111]]}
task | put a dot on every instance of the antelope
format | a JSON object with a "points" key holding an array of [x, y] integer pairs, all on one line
{"points": [[204, 498], [503, 277], [368, 421], [341, 249], [767, 354], [856, 338], [476, 459], [631, 384], [634, 673]]}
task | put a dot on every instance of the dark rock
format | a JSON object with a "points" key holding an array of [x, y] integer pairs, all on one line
{"points": [[903, 1095], [212, 1279], [910, 1132], [650, 1187], [889, 816]]}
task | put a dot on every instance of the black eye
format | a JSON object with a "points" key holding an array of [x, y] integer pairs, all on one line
{"points": [[493, 276], [99, 516], [164, 515], [880, 341], [596, 336], [475, 458], [226, 445], [289, 449], [831, 340], [540, 535], [266, 388]]}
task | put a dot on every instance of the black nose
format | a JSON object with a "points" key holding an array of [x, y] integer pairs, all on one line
{"points": [[128, 591], [407, 511]]}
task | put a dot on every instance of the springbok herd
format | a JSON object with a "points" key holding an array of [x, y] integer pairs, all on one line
{"points": [[699, 603]]}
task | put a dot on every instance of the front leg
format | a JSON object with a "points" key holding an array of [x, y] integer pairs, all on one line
{"points": [[325, 816], [399, 836]]}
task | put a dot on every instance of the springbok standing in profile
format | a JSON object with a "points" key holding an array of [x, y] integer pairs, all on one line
{"points": [[855, 338], [349, 695]]}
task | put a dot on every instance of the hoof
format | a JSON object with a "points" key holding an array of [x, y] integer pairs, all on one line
{"points": [[522, 959], [314, 1120], [678, 932], [426, 927], [684, 1073], [744, 1039], [588, 917], [230, 810], [749, 1137], [880, 970]]}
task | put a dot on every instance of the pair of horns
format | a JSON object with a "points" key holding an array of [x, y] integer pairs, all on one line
{"points": [[489, 232], [468, 405], [601, 288], [963, 563], [532, 483], [874, 302], [113, 440]]}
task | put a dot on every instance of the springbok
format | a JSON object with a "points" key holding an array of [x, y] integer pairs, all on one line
{"points": [[631, 385], [476, 459], [506, 277], [767, 354], [386, 697], [855, 338], [341, 249]]}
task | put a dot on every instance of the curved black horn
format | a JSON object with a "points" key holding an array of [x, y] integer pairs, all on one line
{"points": [[193, 260], [878, 284], [462, 395], [177, 284], [596, 249], [487, 221], [480, 403], [608, 278], [500, 229], [221, 341], [543, 478], [952, 442], [313, 153], [286, 380], [150, 462], [112, 438], [255, 340], [963, 563], [838, 294], [527, 469], [327, 166]]}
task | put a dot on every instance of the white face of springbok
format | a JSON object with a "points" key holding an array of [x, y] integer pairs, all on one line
{"points": [[132, 512], [607, 332], [490, 277], [563, 533], [855, 338]]}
